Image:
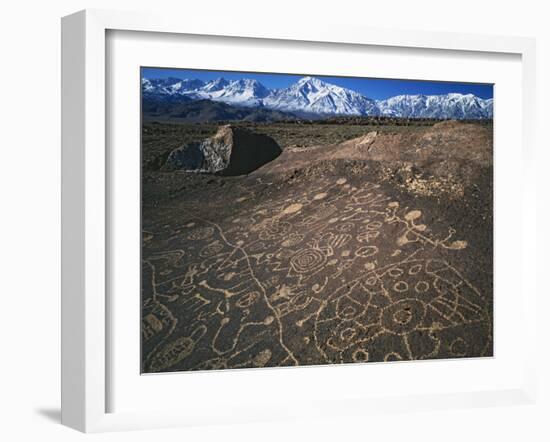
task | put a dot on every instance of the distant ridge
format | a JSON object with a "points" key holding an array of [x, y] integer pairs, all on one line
{"points": [[183, 109], [312, 96]]}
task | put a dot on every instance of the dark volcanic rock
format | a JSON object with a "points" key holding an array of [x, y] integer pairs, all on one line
{"points": [[232, 151], [376, 249]]}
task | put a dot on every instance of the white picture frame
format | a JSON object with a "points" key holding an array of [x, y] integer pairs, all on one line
{"points": [[85, 203]]}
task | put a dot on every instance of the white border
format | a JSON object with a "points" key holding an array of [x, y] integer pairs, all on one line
{"points": [[83, 334], [126, 52]]}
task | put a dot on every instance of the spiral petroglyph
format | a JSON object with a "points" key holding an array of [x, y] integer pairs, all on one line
{"points": [[307, 260]]}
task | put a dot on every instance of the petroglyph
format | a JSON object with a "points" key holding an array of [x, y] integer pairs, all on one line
{"points": [[340, 273]]}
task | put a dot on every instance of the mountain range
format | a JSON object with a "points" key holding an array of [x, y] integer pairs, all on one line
{"points": [[314, 98]]}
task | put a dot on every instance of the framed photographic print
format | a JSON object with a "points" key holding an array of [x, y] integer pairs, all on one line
{"points": [[251, 214], [285, 225]]}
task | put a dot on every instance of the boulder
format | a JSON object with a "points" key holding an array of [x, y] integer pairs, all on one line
{"points": [[232, 151]]}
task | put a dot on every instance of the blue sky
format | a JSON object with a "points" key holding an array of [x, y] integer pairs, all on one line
{"points": [[370, 87]]}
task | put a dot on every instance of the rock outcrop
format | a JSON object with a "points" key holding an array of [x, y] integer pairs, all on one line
{"points": [[232, 151]]}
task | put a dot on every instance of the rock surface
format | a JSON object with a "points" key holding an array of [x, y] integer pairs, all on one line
{"points": [[232, 151], [379, 248]]}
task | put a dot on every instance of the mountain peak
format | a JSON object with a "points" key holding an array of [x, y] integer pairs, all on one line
{"points": [[306, 79], [248, 81], [312, 81], [216, 85], [310, 96]]}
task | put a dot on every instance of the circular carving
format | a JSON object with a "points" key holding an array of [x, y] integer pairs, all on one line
{"points": [[360, 355], [372, 280], [348, 312], [211, 249], [403, 316], [374, 225], [395, 272], [365, 252], [275, 230], [422, 287], [401, 286], [458, 347], [307, 260], [415, 269], [199, 233], [348, 333]]}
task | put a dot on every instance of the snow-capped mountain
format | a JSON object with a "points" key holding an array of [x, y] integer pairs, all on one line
{"points": [[215, 85], [243, 92], [453, 105], [311, 96], [488, 107], [170, 86]]}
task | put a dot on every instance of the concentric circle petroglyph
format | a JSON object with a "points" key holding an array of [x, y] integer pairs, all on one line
{"points": [[308, 260]]}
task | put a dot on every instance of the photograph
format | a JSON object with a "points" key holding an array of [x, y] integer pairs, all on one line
{"points": [[297, 219], [290, 221]]}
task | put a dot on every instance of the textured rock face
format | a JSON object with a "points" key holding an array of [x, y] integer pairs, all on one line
{"points": [[232, 151]]}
